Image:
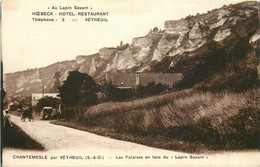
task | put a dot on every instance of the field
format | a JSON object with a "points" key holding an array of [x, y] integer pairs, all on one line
{"points": [[187, 120]]}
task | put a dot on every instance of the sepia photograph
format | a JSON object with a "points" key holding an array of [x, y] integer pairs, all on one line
{"points": [[130, 83]]}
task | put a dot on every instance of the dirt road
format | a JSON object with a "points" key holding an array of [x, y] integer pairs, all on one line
{"points": [[70, 147]]}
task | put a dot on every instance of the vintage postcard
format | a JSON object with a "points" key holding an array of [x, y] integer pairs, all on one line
{"points": [[130, 83]]}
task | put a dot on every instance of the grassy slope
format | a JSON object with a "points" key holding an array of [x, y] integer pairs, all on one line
{"points": [[16, 138], [186, 120]]}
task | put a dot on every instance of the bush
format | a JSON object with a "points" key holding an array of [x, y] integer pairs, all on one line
{"points": [[201, 132], [150, 89], [116, 94], [243, 130], [69, 113]]}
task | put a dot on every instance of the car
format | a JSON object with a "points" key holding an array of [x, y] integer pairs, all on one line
{"points": [[46, 113], [26, 112]]}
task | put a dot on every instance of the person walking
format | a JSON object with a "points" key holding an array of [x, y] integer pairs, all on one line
{"points": [[7, 121]]}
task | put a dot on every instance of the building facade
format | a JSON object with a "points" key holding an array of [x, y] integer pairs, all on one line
{"points": [[132, 80], [37, 96]]}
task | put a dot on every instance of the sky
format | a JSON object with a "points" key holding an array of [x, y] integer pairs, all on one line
{"points": [[27, 44]]}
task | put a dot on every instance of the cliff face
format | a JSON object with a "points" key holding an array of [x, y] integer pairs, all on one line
{"points": [[180, 47]]}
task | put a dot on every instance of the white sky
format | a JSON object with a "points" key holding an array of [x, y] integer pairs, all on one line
{"points": [[28, 44]]}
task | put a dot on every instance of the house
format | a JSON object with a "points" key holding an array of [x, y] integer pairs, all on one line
{"points": [[37, 96], [132, 80]]}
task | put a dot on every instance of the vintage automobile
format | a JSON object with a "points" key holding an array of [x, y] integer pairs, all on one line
{"points": [[50, 113], [46, 113], [26, 112]]}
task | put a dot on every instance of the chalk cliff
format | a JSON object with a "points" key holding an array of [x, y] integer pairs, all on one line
{"points": [[182, 46]]}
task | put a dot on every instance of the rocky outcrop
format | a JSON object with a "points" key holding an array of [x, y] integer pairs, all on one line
{"points": [[176, 26], [105, 53], [255, 39], [222, 34], [195, 32], [125, 60], [141, 48]]}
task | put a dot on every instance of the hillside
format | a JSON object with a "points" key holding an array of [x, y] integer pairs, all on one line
{"points": [[218, 49], [186, 120]]}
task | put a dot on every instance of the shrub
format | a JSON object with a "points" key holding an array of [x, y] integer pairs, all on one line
{"points": [[150, 89], [243, 130], [69, 113]]}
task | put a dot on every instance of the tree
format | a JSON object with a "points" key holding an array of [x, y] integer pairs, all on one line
{"points": [[47, 101], [78, 89]]}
